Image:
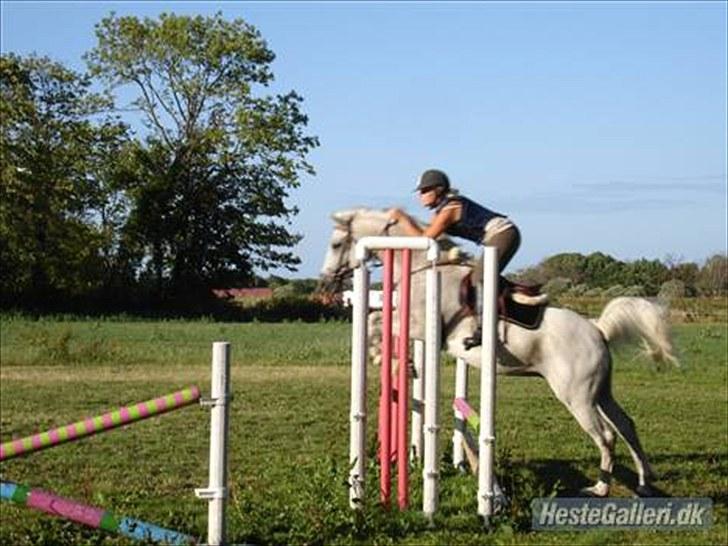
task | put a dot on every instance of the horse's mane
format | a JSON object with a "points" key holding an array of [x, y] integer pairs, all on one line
{"points": [[450, 251]]}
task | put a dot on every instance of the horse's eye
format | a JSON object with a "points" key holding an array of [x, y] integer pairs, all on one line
{"points": [[336, 246]]}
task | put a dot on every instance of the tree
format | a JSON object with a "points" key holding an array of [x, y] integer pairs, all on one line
{"points": [[602, 270], [56, 150], [647, 273], [713, 277], [212, 176], [569, 265], [684, 272]]}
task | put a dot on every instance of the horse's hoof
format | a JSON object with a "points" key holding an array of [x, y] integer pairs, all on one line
{"points": [[500, 503], [644, 491], [599, 490]]}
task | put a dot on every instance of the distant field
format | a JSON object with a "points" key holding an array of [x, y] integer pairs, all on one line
{"points": [[289, 437]]}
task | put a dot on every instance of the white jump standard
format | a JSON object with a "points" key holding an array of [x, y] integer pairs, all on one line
{"points": [[357, 453], [426, 388], [486, 438]]}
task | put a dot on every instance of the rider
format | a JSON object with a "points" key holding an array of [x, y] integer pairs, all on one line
{"points": [[457, 215]]}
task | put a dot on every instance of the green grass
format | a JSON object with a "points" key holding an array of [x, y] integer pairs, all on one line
{"points": [[289, 436]]}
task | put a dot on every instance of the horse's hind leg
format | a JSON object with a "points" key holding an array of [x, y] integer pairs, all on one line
{"points": [[588, 417], [613, 413]]}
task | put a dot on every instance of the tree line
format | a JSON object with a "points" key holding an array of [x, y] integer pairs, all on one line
{"points": [[597, 274], [182, 188]]}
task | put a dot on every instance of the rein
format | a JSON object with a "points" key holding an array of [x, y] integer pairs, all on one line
{"points": [[438, 264]]}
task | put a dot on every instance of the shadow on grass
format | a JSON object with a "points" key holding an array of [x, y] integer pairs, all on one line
{"points": [[567, 478]]}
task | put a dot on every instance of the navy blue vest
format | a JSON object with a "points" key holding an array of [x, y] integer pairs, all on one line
{"points": [[473, 218]]}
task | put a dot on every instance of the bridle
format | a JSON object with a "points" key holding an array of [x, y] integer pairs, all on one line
{"points": [[343, 269]]}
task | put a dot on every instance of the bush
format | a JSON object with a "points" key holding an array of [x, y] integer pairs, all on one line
{"points": [[593, 293], [292, 308], [557, 286], [614, 291], [578, 290], [672, 289], [636, 290]]}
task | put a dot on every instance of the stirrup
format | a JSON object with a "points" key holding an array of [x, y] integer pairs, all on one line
{"points": [[474, 340]]}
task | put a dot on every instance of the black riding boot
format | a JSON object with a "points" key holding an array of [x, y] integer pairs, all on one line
{"points": [[476, 339]]}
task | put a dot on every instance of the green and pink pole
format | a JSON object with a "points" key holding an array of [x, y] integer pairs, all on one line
{"points": [[470, 416], [99, 423], [90, 516]]}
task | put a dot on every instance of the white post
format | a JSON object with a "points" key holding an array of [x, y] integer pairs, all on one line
{"points": [[418, 399], [216, 491], [487, 384], [432, 393], [357, 447], [461, 391]]}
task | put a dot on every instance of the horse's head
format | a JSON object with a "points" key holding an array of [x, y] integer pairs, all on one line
{"points": [[349, 226]]}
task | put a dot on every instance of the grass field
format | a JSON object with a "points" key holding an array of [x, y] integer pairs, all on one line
{"points": [[289, 436]]}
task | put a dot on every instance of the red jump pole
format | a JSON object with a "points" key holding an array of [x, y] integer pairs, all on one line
{"points": [[403, 383], [395, 398], [385, 399]]}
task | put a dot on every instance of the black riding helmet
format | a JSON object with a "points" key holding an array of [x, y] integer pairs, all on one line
{"points": [[433, 178]]}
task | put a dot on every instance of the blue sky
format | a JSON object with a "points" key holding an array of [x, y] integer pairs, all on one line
{"points": [[595, 126]]}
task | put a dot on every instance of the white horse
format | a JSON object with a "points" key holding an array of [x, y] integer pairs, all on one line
{"points": [[570, 352]]}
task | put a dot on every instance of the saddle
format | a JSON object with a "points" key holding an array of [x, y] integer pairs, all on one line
{"points": [[521, 304], [517, 303]]}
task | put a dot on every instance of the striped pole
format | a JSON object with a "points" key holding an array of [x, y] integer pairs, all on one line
{"points": [[89, 515], [461, 392], [470, 416], [99, 423]]}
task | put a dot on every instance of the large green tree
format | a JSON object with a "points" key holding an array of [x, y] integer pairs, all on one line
{"points": [[219, 157], [57, 199]]}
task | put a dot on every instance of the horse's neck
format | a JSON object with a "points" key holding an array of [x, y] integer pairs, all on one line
{"points": [[377, 224]]}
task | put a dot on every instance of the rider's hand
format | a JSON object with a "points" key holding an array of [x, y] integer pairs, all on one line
{"points": [[395, 214]]}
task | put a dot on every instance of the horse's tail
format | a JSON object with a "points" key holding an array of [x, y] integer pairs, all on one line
{"points": [[627, 319]]}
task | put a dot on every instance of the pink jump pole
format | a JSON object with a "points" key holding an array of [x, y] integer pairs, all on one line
{"points": [[99, 423], [385, 400], [394, 414], [403, 383]]}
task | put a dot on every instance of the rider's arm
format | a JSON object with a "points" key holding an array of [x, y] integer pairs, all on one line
{"points": [[437, 227]]}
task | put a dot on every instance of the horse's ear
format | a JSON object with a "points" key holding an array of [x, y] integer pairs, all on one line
{"points": [[343, 216]]}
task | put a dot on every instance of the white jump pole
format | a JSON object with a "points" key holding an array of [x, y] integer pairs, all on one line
{"points": [[418, 400], [487, 384], [216, 492], [358, 415], [461, 391], [432, 393]]}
